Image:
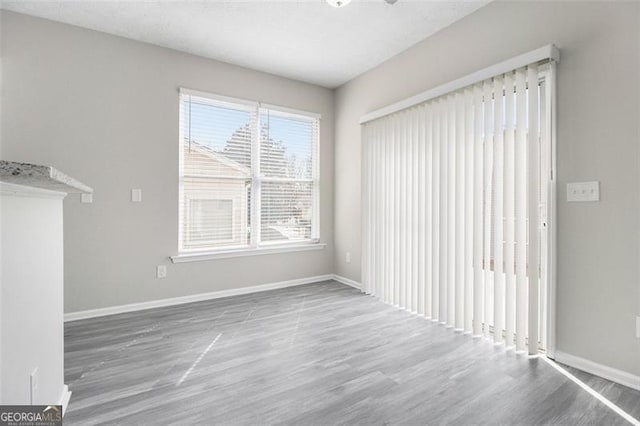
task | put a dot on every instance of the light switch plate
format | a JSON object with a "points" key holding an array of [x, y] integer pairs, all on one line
{"points": [[86, 198], [583, 191], [136, 195], [161, 271]]}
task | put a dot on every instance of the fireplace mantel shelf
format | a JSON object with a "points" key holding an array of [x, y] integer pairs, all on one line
{"points": [[39, 176]]}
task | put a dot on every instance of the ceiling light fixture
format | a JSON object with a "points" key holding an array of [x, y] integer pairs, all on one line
{"points": [[338, 3]]}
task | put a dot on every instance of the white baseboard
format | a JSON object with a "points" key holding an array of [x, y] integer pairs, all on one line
{"points": [[609, 373], [64, 399], [112, 310], [347, 281]]}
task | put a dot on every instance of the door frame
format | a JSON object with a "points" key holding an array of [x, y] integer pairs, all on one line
{"points": [[550, 300]]}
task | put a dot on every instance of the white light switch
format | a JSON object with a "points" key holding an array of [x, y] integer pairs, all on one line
{"points": [[583, 191], [161, 271], [347, 257], [136, 195], [86, 198]]}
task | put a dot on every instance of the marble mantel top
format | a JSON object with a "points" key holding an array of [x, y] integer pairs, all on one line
{"points": [[38, 176]]}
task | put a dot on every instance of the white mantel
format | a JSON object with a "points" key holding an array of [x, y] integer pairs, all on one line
{"points": [[31, 283]]}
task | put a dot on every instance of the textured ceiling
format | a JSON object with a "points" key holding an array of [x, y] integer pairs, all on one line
{"points": [[305, 40]]}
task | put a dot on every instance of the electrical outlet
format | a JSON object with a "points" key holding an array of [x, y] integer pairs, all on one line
{"points": [[638, 326], [161, 271], [136, 195], [347, 257], [86, 198], [34, 384]]}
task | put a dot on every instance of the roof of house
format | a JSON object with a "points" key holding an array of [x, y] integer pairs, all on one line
{"points": [[218, 156]]}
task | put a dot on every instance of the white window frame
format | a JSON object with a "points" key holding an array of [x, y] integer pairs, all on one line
{"points": [[256, 247]]}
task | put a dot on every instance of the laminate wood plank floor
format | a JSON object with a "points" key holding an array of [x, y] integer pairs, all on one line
{"points": [[316, 354]]}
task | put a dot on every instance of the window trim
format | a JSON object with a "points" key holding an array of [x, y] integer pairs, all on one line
{"points": [[255, 246], [200, 255]]}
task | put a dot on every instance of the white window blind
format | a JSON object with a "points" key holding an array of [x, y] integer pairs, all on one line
{"points": [[451, 206], [248, 174], [287, 170]]}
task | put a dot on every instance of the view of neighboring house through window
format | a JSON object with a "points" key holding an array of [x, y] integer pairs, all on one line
{"points": [[211, 220], [248, 174]]}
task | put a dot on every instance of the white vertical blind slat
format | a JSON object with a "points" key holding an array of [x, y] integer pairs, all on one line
{"points": [[533, 180], [422, 229], [416, 234], [436, 229], [488, 205], [389, 230], [407, 211], [509, 212], [468, 228], [429, 176], [379, 211], [366, 225], [397, 221], [391, 148], [372, 215], [403, 211], [444, 206], [520, 190], [411, 182], [498, 220], [460, 213], [451, 212], [406, 173], [376, 213], [478, 156]]}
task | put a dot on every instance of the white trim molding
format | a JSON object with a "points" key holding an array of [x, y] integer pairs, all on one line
{"points": [[12, 189], [112, 310], [64, 399], [347, 281], [609, 373], [548, 52], [226, 254]]}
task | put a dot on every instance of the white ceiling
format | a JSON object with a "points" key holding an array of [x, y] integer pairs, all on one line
{"points": [[306, 40]]}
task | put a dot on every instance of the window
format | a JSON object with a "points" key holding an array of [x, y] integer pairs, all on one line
{"points": [[248, 174]]}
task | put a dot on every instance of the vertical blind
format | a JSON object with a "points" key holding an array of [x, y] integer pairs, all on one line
{"points": [[248, 174], [451, 203]]}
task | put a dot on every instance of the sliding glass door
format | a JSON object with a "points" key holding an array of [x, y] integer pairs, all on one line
{"points": [[458, 211]]}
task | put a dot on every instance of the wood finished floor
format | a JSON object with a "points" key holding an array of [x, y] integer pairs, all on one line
{"points": [[315, 354]]}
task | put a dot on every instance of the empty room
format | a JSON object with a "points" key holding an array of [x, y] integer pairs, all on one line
{"points": [[319, 212]]}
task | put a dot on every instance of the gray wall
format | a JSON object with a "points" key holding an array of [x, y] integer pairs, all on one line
{"points": [[598, 139], [104, 109]]}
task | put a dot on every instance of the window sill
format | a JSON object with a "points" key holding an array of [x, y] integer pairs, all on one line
{"points": [[226, 254]]}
